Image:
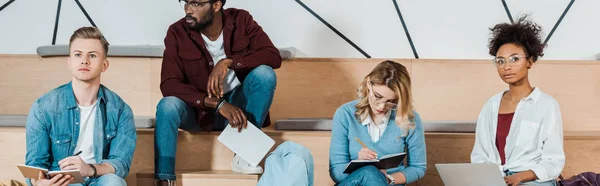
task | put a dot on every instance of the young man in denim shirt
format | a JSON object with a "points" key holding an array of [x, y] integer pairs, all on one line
{"points": [[82, 125]]}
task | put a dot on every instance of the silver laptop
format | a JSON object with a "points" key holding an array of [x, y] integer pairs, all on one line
{"points": [[470, 174]]}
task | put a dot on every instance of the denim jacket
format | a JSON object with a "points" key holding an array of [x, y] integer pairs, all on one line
{"points": [[52, 130]]}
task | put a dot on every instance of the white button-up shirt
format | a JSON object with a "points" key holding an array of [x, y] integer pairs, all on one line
{"points": [[535, 138], [376, 130]]}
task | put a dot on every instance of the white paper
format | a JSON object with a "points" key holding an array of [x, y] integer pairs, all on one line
{"points": [[251, 144]]}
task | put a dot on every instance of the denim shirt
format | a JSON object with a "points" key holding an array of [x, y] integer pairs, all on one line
{"points": [[52, 130]]}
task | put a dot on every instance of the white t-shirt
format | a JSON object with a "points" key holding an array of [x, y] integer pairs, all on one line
{"points": [[217, 51], [85, 143]]}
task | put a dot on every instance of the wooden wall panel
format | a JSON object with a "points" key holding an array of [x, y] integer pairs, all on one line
{"points": [[315, 88], [309, 88], [576, 87], [23, 79], [453, 90]]}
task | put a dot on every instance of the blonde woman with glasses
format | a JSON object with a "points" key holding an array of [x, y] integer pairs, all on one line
{"points": [[384, 120]]}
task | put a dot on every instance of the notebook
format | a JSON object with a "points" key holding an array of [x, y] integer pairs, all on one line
{"points": [[251, 144], [32, 172], [385, 162]]}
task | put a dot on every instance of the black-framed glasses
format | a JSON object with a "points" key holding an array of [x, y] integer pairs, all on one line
{"points": [[378, 101], [500, 62], [194, 5]]}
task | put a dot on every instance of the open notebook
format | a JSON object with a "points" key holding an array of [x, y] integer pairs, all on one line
{"points": [[32, 172], [251, 144], [385, 162]]}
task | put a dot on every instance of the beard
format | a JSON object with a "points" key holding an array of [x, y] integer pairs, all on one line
{"points": [[199, 25]]}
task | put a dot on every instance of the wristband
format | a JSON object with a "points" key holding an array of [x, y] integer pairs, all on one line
{"points": [[220, 105], [95, 171]]}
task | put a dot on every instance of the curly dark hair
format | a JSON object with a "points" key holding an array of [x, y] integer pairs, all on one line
{"points": [[523, 33]]}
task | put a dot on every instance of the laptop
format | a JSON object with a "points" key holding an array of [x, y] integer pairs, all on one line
{"points": [[470, 174]]}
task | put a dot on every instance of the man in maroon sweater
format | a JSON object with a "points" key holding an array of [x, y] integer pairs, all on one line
{"points": [[217, 69]]}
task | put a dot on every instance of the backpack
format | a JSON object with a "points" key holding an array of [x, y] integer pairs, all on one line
{"points": [[582, 179], [290, 164]]}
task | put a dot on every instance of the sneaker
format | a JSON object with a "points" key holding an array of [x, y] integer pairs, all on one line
{"points": [[238, 164], [165, 183]]}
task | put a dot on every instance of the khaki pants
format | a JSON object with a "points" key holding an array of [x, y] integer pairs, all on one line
{"points": [[11, 183]]}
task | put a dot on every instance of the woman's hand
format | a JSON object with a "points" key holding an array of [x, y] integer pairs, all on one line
{"points": [[366, 154]]}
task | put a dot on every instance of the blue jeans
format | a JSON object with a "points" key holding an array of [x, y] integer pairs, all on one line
{"points": [[254, 97], [534, 183], [365, 176], [107, 179]]}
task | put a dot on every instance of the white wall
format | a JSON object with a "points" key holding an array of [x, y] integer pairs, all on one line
{"points": [[456, 29], [25, 25]]}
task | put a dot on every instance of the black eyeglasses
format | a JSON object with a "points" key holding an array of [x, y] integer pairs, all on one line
{"points": [[194, 5]]}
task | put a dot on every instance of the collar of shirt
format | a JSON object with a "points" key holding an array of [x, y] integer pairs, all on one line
{"points": [[72, 101], [534, 95], [384, 121]]}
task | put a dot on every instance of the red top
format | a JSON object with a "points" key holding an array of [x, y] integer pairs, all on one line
{"points": [[504, 121]]}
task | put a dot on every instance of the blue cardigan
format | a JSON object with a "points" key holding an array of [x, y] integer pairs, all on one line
{"points": [[344, 147]]}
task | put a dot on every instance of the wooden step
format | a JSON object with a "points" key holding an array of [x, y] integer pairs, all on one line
{"points": [[442, 89], [215, 156], [202, 177]]}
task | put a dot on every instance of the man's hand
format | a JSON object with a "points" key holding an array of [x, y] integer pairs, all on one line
{"points": [[74, 163], [217, 78], [58, 180], [235, 115]]}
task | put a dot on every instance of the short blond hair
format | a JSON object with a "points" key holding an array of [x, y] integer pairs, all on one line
{"points": [[90, 33]]}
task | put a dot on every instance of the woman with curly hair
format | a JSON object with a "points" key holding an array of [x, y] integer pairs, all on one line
{"points": [[384, 120], [520, 129]]}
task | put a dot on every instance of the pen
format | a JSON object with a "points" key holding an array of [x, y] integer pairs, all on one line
{"points": [[78, 153], [361, 143]]}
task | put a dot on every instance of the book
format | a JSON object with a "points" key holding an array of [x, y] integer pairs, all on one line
{"points": [[251, 144], [385, 162], [32, 172]]}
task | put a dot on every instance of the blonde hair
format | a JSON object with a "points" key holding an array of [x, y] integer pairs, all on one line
{"points": [[395, 76], [90, 33]]}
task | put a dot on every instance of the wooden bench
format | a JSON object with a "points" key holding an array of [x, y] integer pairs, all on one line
{"points": [[201, 152]]}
